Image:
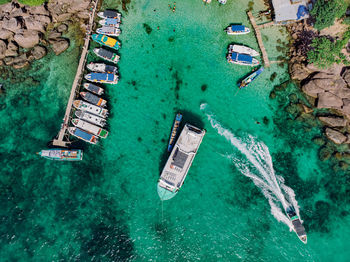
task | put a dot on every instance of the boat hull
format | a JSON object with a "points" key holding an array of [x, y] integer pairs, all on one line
{"points": [[106, 55], [253, 62], [85, 106], [95, 130], [93, 99], [91, 118], [108, 32], [165, 194], [243, 50], [62, 154], [102, 78], [106, 41], [110, 22], [83, 135], [249, 79], [93, 88]]}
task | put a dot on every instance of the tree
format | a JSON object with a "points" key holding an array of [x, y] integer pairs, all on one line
{"points": [[32, 2], [325, 12]]}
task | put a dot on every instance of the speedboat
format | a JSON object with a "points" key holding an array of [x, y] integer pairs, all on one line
{"points": [[95, 130], [83, 135], [85, 106], [102, 68], [93, 99], [297, 225], [93, 88], [237, 30], [110, 14], [90, 118], [108, 30], [106, 40], [102, 78], [110, 22], [250, 78], [242, 59], [242, 50], [106, 55]]}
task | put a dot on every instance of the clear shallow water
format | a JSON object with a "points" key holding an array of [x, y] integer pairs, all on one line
{"points": [[106, 207]]}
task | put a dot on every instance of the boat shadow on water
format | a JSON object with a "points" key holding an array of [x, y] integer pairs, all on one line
{"points": [[187, 117]]}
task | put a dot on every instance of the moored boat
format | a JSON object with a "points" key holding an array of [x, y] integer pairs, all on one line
{"points": [[102, 68], [174, 131], [179, 161], [83, 135], [109, 14], [93, 99], [90, 118], [242, 59], [242, 50], [112, 22], [297, 225], [102, 78], [62, 154], [237, 30], [222, 1], [93, 88], [108, 30], [95, 130], [106, 40], [250, 78], [107, 55], [85, 106]]}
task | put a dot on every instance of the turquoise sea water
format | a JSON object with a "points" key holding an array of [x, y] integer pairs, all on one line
{"points": [[106, 207]]}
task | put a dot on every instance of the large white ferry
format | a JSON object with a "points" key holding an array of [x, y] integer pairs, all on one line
{"points": [[179, 162]]}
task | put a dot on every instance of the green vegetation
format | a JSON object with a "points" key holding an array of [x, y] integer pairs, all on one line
{"points": [[326, 52], [4, 1], [326, 11], [32, 2]]}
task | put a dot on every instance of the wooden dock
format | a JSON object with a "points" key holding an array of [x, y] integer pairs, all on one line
{"points": [[258, 36], [62, 139]]}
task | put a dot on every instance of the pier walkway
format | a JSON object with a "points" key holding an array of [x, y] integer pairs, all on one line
{"points": [[62, 138], [258, 36]]}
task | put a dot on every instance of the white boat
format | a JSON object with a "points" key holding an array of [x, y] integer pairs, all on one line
{"points": [[107, 55], [237, 30], [242, 59], [297, 225], [95, 130], [90, 118], [93, 88], [85, 106], [179, 161], [110, 14], [108, 30], [102, 68], [222, 1], [111, 22], [242, 50], [83, 135]]}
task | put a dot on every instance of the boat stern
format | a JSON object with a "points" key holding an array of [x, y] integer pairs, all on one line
{"points": [[165, 194]]}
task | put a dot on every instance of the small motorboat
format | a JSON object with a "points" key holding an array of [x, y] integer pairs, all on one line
{"points": [[237, 30], [110, 14], [110, 22], [106, 40], [108, 30], [90, 118], [93, 88], [250, 78], [93, 99], [242, 50], [174, 131], [86, 126], [242, 59], [102, 68], [83, 135], [102, 78], [107, 55], [85, 106]]}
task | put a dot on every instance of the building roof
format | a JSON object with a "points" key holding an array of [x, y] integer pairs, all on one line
{"points": [[286, 10]]}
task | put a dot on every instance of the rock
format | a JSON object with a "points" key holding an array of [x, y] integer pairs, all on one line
{"points": [[307, 109], [343, 165], [19, 12], [2, 49], [33, 24], [5, 34], [7, 8], [54, 35], [333, 121], [38, 52], [346, 75], [312, 89], [323, 75], [346, 106], [298, 71], [293, 98], [20, 61], [27, 39], [335, 136], [62, 28], [324, 154], [328, 100], [43, 19], [9, 60], [11, 24], [21, 65], [272, 95], [318, 141], [60, 45], [294, 109], [62, 17], [12, 49], [84, 15], [38, 10], [78, 5]]}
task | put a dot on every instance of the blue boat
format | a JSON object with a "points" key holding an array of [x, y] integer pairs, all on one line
{"points": [[102, 78], [242, 59], [237, 30], [246, 81], [174, 131], [83, 135]]}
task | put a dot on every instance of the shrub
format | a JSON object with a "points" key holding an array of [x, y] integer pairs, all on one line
{"points": [[4, 1], [325, 12], [32, 2]]}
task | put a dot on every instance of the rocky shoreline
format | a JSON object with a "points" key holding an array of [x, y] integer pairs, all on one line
{"points": [[325, 89], [27, 33]]}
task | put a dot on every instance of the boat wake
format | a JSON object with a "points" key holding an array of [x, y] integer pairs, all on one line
{"points": [[257, 165]]}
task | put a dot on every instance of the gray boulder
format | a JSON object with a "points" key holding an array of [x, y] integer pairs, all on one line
{"points": [[346, 75], [329, 100], [38, 52], [38, 10], [11, 24], [312, 89], [27, 39], [62, 28], [43, 19], [335, 136], [333, 121], [7, 8], [60, 45], [33, 24], [5, 34], [62, 18], [12, 49], [2, 49], [346, 107], [53, 35], [78, 5]]}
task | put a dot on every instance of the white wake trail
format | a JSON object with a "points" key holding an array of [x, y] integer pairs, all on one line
{"points": [[258, 167]]}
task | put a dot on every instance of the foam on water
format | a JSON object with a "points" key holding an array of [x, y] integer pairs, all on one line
{"points": [[259, 168]]}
